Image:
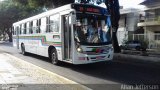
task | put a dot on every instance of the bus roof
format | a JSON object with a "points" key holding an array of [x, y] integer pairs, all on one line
{"points": [[54, 11]]}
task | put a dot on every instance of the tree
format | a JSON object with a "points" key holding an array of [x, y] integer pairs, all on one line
{"points": [[14, 10], [48, 4], [113, 8], [8, 13]]}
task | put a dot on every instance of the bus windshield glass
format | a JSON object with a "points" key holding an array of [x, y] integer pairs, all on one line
{"points": [[92, 29]]}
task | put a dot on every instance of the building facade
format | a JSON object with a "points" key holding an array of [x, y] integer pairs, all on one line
{"points": [[151, 23], [127, 24]]}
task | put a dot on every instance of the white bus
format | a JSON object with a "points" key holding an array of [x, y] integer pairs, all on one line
{"points": [[74, 33]]}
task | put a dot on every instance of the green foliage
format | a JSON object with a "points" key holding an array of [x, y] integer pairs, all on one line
{"points": [[14, 10], [144, 42], [8, 13]]}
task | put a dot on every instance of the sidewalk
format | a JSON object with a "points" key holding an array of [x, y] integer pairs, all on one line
{"points": [[4, 42], [154, 52], [136, 59], [16, 74]]}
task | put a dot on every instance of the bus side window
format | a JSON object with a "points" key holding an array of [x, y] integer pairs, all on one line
{"points": [[17, 30], [39, 25], [25, 30], [54, 23], [31, 27], [12, 30], [35, 26], [47, 23], [20, 30], [43, 25]]}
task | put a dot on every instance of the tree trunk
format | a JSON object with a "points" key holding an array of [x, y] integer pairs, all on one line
{"points": [[10, 37], [9, 32], [113, 9], [115, 41]]}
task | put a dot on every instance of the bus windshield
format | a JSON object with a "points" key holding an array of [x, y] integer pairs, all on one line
{"points": [[92, 29]]}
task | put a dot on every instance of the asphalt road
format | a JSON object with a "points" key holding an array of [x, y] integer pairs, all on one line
{"points": [[109, 73]]}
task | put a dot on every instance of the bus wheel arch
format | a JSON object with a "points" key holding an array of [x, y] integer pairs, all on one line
{"points": [[52, 53], [23, 49]]}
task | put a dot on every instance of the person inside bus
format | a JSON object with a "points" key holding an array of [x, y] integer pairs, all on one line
{"points": [[105, 32], [100, 32], [80, 33], [91, 32], [84, 29]]}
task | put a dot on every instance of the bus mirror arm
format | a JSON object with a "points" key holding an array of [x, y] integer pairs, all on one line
{"points": [[73, 20]]}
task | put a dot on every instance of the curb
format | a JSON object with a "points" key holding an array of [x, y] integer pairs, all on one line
{"points": [[63, 80]]}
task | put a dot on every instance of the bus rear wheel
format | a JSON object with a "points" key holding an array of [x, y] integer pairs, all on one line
{"points": [[23, 49], [53, 57]]}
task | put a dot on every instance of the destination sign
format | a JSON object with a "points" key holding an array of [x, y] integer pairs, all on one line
{"points": [[94, 10], [89, 9]]}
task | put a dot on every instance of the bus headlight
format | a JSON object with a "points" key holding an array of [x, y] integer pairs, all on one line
{"points": [[79, 49]]}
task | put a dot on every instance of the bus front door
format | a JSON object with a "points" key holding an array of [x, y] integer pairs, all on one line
{"points": [[67, 38]]}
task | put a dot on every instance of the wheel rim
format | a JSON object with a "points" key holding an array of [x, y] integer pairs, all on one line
{"points": [[54, 57]]}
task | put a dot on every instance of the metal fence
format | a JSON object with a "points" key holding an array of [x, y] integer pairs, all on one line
{"points": [[152, 40]]}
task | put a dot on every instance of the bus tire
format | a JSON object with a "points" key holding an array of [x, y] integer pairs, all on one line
{"points": [[23, 49], [54, 57]]}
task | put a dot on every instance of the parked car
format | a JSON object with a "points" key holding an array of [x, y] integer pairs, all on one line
{"points": [[134, 44]]}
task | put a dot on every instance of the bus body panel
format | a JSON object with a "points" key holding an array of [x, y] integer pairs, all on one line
{"points": [[39, 43], [91, 56]]}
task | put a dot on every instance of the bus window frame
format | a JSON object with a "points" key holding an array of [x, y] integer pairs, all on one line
{"points": [[58, 27], [42, 25], [35, 26]]}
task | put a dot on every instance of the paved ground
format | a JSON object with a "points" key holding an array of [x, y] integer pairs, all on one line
{"points": [[118, 72], [18, 74]]}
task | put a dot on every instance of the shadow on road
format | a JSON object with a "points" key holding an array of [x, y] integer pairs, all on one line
{"points": [[127, 73]]}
